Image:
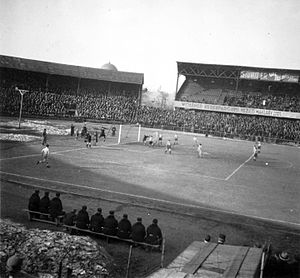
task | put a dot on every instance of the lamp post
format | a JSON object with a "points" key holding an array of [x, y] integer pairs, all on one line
{"points": [[22, 92]]}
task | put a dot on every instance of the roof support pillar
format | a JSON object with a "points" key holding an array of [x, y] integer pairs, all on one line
{"points": [[176, 84], [78, 86]]}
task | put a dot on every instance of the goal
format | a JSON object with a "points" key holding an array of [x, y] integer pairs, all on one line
{"points": [[130, 133]]}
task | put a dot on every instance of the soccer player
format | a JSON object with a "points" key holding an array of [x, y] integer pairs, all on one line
{"points": [[258, 146], [195, 141], [44, 142], [102, 133], [199, 149], [151, 143], [175, 139], [113, 131], [168, 147], [255, 151], [160, 137], [88, 140], [145, 139], [45, 155]]}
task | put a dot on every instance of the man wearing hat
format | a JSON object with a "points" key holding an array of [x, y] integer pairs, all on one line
{"points": [[110, 225], [138, 231], [82, 219], [70, 219], [44, 204], [55, 207], [153, 233], [97, 221], [221, 239], [124, 227], [207, 239], [34, 203]]}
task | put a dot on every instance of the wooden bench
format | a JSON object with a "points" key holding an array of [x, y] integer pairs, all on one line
{"points": [[58, 220], [130, 241]]}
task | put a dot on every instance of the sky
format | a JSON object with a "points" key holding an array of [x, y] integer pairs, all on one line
{"points": [[149, 36]]}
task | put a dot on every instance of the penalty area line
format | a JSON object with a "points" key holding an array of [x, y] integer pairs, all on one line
{"points": [[238, 168]]}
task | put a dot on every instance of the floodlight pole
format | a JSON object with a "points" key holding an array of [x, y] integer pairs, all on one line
{"points": [[22, 92]]}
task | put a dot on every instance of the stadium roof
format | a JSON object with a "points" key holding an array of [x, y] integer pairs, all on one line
{"points": [[71, 70], [180, 65], [226, 71]]}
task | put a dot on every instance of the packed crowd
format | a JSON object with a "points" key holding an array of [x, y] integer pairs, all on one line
{"points": [[289, 103], [97, 223], [115, 108], [125, 109], [220, 124]]}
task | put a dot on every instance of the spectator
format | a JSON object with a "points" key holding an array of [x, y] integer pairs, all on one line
{"points": [[124, 227], [83, 220], [110, 226], [221, 239], [153, 233], [14, 264], [97, 221], [138, 231], [56, 208], [207, 239], [45, 203], [34, 203], [70, 218]]}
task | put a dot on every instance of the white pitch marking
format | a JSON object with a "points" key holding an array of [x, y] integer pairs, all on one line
{"points": [[238, 168], [152, 199]]}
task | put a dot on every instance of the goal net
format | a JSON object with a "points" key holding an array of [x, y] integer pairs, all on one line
{"points": [[130, 133]]}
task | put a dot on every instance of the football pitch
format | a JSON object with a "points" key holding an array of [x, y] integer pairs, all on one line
{"points": [[225, 179]]}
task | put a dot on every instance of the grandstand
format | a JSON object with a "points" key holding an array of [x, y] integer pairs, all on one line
{"points": [[55, 77], [263, 88]]}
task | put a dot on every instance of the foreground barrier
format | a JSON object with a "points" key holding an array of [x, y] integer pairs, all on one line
{"points": [[46, 217]]}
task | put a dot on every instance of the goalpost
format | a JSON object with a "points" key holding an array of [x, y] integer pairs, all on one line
{"points": [[130, 133]]}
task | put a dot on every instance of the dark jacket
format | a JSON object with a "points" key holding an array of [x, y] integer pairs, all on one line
{"points": [[154, 234], [44, 204], [97, 222], [124, 228], [70, 218], [55, 208], [110, 225], [34, 202], [82, 220], [138, 232]]}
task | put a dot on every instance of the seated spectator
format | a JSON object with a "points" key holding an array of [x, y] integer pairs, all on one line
{"points": [[34, 203], [56, 208], [14, 264], [124, 227], [97, 221], [82, 220], [138, 231], [153, 234], [70, 218], [110, 226], [44, 204], [281, 265], [221, 239], [207, 239]]}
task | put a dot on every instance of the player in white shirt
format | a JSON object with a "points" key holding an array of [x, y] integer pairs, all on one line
{"points": [[195, 139], [258, 146], [45, 155], [160, 137], [255, 151], [199, 149], [151, 143], [175, 139], [168, 147]]}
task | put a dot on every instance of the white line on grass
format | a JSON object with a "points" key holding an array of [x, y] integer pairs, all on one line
{"points": [[238, 168], [151, 199]]}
